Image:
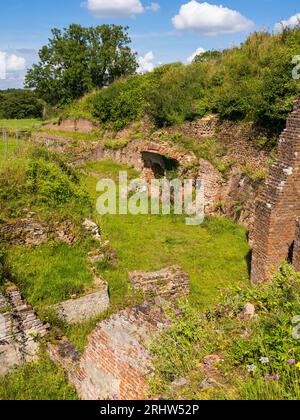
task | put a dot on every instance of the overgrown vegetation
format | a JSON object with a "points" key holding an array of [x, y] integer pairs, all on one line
{"points": [[41, 380], [253, 82], [261, 356]]}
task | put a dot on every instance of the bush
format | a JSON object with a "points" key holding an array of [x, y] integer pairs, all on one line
{"points": [[38, 178], [121, 103], [172, 101]]}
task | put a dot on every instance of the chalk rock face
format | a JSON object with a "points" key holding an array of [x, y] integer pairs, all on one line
{"points": [[170, 282]]}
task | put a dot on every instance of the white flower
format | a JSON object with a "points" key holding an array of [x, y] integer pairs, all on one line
{"points": [[264, 360], [251, 368]]}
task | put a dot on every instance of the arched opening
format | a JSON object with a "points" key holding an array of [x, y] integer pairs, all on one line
{"points": [[158, 166]]}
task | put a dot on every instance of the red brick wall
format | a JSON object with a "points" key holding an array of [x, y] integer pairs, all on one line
{"points": [[115, 364], [278, 206]]}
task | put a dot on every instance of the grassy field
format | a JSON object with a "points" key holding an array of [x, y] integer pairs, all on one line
{"points": [[7, 148], [19, 124]]}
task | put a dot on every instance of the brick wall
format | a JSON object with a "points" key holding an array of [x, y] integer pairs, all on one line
{"points": [[115, 364], [171, 282], [278, 206], [19, 330]]}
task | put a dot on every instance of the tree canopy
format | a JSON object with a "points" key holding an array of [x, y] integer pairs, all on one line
{"points": [[19, 103], [78, 59]]}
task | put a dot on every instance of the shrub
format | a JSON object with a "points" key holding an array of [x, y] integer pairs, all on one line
{"points": [[121, 103]]}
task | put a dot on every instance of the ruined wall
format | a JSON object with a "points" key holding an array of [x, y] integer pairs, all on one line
{"points": [[169, 282], [117, 362], [296, 250], [84, 308], [20, 330], [115, 365], [81, 125], [278, 206]]}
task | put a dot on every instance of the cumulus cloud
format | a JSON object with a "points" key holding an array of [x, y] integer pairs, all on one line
{"points": [[146, 63], [197, 52], [15, 63], [291, 23], [210, 19], [118, 8], [114, 8], [11, 64]]}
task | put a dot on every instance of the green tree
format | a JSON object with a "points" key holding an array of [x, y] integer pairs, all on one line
{"points": [[18, 103], [79, 59]]}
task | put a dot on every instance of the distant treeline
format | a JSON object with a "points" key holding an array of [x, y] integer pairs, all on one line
{"points": [[20, 103]]}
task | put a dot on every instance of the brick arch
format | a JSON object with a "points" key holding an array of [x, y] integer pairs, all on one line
{"points": [[278, 206]]}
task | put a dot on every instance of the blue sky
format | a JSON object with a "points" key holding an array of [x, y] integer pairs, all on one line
{"points": [[26, 24]]}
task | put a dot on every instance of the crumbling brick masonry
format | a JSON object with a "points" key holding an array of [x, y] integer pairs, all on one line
{"points": [[169, 282], [278, 207], [19, 330]]}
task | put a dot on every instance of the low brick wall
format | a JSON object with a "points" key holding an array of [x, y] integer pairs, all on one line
{"points": [[171, 282], [81, 125], [84, 308]]}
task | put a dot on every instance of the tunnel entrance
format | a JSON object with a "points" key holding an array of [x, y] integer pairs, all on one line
{"points": [[157, 166]]}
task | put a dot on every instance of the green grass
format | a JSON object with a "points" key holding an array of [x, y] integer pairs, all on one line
{"points": [[74, 135], [19, 124], [215, 254], [49, 273], [41, 380], [6, 149]]}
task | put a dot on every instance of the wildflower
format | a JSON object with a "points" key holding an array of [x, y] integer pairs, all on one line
{"points": [[298, 365], [264, 360], [272, 377], [251, 368], [291, 361]]}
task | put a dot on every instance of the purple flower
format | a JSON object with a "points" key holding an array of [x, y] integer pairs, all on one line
{"points": [[291, 361], [272, 377]]}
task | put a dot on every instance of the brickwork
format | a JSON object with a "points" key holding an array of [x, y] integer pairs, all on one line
{"points": [[81, 125], [278, 206], [296, 250], [171, 282], [115, 364], [19, 330]]}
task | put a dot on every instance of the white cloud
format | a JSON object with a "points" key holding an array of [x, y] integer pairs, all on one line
{"points": [[154, 7], [210, 19], [10, 64], [292, 22], [114, 8], [15, 63], [146, 63], [197, 52]]}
